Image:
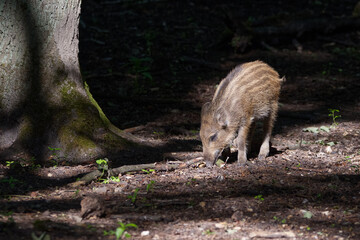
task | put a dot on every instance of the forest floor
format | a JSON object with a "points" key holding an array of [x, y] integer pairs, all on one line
{"points": [[151, 66]]}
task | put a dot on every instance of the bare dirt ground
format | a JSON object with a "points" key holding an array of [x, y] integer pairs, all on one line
{"points": [[151, 66]]}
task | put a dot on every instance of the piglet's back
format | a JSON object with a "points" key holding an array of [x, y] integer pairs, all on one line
{"points": [[249, 89]]}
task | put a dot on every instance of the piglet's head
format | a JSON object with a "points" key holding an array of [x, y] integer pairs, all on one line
{"points": [[214, 132]]}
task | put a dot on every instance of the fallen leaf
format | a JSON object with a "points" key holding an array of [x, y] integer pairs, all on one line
{"points": [[325, 129], [311, 129]]}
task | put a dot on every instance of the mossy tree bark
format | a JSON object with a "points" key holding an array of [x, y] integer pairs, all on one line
{"points": [[43, 100]]}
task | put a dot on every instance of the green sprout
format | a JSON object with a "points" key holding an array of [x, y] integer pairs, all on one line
{"points": [[259, 197], [11, 181], [150, 186], [54, 155], [334, 116], [208, 232], [148, 171], [282, 221], [102, 166], [133, 196], [121, 230], [8, 163], [114, 179]]}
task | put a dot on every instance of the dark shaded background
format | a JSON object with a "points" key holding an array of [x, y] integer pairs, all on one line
{"points": [[146, 59]]}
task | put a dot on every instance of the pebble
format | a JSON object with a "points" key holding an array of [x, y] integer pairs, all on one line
{"points": [[326, 213], [100, 190], [145, 233], [221, 225]]}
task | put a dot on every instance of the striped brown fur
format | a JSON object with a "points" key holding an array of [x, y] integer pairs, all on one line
{"points": [[250, 92]]}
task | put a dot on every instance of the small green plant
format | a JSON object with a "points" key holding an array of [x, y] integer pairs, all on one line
{"points": [[11, 181], [114, 179], [133, 196], [208, 232], [7, 214], [31, 163], [148, 171], [150, 186], [321, 142], [91, 227], [54, 155], [102, 166], [121, 230], [334, 116], [104, 181], [282, 221], [259, 197], [8, 163], [193, 180], [159, 133], [76, 193]]}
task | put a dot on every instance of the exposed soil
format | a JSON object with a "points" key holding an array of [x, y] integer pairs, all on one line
{"points": [[151, 66]]}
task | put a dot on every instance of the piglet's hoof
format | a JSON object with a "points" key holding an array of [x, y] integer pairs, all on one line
{"points": [[244, 163]]}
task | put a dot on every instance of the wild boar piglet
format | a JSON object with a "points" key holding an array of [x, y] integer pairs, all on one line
{"points": [[249, 93]]}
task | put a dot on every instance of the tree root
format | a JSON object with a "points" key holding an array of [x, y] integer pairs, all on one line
{"points": [[168, 166]]}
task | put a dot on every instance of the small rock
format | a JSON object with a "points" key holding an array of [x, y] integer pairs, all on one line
{"points": [[231, 231], [326, 213], [101, 190], [156, 237], [46, 213], [145, 233], [221, 225], [202, 205], [328, 149], [77, 218]]}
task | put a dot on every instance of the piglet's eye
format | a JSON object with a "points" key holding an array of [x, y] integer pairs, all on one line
{"points": [[213, 137]]}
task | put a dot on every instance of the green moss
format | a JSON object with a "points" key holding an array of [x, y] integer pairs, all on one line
{"points": [[93, 101], [113, 141], [26, 130], [74, 140]]}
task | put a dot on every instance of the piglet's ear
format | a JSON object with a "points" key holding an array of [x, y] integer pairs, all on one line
{"points": [[205, 108], [221, 117]]}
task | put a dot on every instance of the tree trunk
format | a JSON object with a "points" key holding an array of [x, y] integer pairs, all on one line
{"points": [[43, 101]]}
